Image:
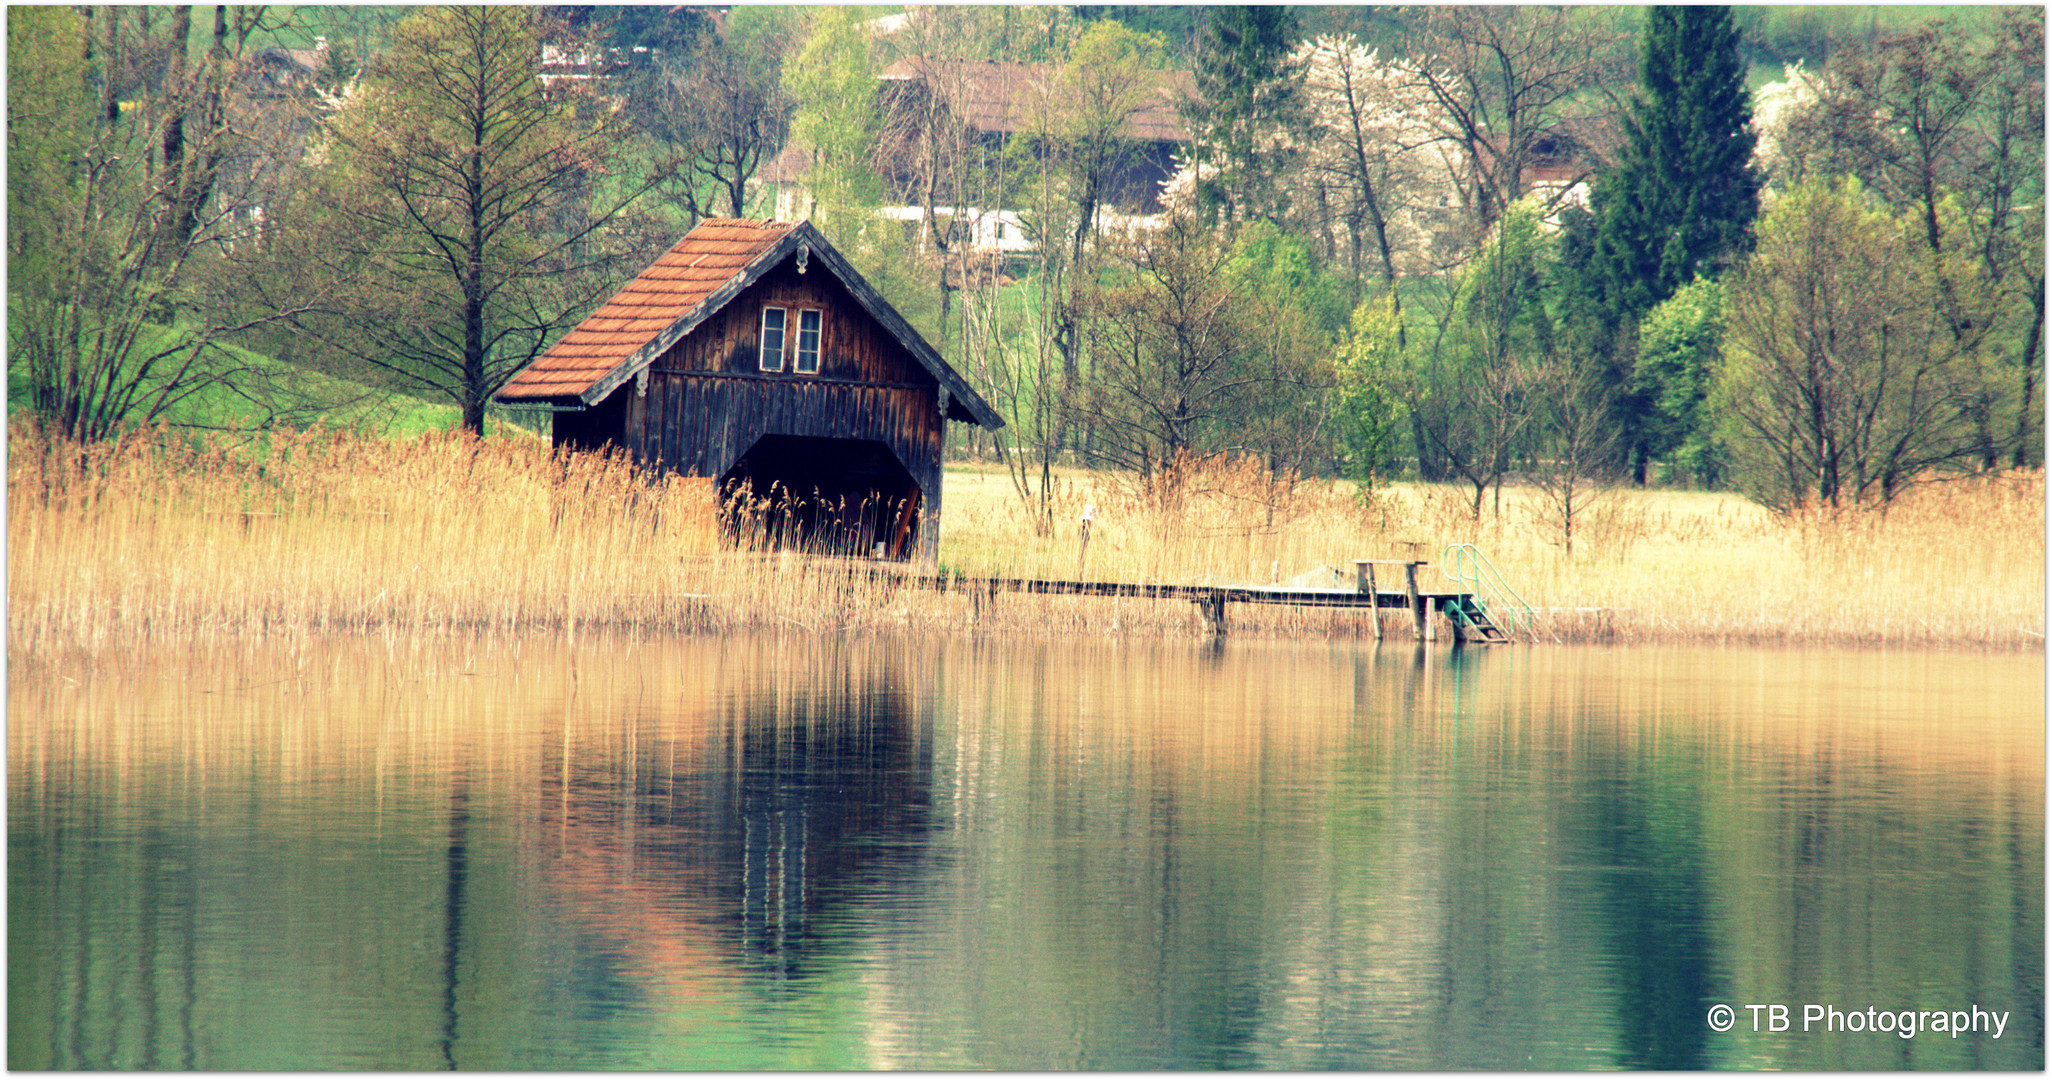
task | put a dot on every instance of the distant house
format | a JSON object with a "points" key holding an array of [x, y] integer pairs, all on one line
{"points": [[754, 354], [995, 101], [1557, 170], [574, 63], [273, 111], [278, 72]]}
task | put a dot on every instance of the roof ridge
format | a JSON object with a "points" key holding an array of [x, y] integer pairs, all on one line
{"points": [[667, 300]]}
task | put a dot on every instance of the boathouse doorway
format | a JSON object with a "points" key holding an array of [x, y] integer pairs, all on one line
{"points": [[825, 496]]}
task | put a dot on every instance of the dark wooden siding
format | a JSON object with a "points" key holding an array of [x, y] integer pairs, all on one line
{"points": [[854, 346], [595, 428], [701, 423], [706, 402]]}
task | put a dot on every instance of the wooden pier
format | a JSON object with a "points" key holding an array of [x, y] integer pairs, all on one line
{"points": [[1401, 591]]}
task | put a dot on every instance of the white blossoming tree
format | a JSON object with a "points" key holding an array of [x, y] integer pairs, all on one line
{"points": [[1371, 156], [1776, 106]]}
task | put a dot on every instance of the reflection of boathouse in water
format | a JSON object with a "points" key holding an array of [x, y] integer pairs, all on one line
{"points": [[742, 839], [753, 353]]}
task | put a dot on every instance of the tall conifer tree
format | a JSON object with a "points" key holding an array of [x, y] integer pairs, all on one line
{"points": [[1245, 95], [1679, 204], [1684, 192]]}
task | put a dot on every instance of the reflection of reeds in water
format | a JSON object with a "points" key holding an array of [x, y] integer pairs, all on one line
{"points": [[160, 537], [621, 801]]}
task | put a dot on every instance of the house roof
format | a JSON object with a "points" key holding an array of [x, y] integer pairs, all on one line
{"points": [[997, 98], [692, 281], [993, 96]]}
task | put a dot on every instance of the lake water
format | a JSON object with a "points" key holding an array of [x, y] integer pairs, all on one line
{"points": [[769, 853]]}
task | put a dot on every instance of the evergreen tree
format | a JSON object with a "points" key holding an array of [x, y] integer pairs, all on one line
{"points": [[1683, 195], [1679, 204], [1245, 98]]}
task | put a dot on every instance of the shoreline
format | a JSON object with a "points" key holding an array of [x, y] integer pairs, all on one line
{"points": [[1012, 617]]}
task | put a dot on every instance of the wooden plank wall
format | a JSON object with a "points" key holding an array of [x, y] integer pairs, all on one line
{"points": [[702, 426], [706, 400], [855, 346]]}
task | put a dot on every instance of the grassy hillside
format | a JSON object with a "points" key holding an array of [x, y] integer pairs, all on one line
{"points": [[252, 392]]}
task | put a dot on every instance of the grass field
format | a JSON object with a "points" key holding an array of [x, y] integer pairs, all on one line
{"points": [[263, 393], [161, 536]]}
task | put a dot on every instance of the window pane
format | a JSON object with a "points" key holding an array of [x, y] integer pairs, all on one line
{"points": [[772, 356], [808, 340]]}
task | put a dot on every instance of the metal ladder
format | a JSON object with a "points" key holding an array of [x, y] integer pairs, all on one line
{"points": [[1491, 612]]}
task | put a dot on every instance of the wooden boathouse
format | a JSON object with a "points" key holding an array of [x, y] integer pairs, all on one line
{"points": [[754, 354]]}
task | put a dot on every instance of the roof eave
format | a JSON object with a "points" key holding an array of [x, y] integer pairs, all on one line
{"points": [[803, 233], [881, 310], [713, 302], [542, 402]]}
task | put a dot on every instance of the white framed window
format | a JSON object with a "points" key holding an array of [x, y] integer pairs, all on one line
{"points": [[807, 360], [770, 353]]}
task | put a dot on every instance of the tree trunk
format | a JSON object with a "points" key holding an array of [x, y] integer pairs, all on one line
{"points": [[2020, 453], [174, 91]]}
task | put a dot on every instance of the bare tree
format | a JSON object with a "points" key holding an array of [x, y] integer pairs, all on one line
{"points": [[1189, 358], [1080, 138], [1509, 80], [1169, 350], [935, 159], [465, 217], [1575, 464], [115, 221], [725, 109]]}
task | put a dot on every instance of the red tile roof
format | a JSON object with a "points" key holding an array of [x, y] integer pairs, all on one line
{"points": [[668, 292], [717, 262]]}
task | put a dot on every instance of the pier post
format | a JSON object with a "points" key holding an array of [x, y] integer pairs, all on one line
{"points": [[1364, 581], [1420, 628], [1213, 606]]}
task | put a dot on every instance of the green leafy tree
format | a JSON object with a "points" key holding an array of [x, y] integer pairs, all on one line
{"points": [[117, 296], [1679, 345], [1473, 390], [1368, 407], [1111, 75], [1075, 141], [838, 124], [833, 81], [1841, 384], [1950, 122], [1296, 313]]}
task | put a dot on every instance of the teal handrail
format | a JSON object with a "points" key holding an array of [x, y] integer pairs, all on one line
{"points": [[1467, 566]]}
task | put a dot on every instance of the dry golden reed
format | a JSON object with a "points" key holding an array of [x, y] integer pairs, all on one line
{"points": [[165, 537]]}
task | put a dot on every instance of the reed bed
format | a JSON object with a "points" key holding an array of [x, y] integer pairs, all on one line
{"points": [[1960, 563], [164, 537]]}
